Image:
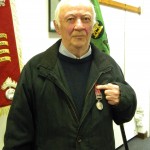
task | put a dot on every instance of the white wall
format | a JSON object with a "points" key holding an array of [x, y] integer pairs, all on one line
{"points": [[128, 35], [33, 20]]}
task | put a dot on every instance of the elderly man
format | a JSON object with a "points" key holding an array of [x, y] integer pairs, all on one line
{"points": [[68, 96]]}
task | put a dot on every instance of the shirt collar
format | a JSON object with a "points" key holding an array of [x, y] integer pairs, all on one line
{"points": [[67, 53]]}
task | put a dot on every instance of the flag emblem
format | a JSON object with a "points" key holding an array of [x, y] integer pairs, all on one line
{"points": [[2, 2], [10, 85], [98, 30]]}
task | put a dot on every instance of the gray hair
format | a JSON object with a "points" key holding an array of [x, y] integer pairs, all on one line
{"points": [[64, 2]]}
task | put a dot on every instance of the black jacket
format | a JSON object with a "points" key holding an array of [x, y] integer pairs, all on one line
{"points": [[43, 115]]}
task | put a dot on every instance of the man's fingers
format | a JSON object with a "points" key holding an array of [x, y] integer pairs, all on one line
{"points": [[104, 87], [112, 92]]}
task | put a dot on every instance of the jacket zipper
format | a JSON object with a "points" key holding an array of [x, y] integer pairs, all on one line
{"points": [[107, 70], [71, 105]]}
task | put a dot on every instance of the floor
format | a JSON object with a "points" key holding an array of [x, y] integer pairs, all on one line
{"points": [[137, 144]]}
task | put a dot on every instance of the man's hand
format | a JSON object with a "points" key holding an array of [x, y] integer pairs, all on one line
{"points": [[112, 93]]}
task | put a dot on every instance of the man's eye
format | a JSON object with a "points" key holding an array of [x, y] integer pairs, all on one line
{"points": [[86, 19], [70, 19]]}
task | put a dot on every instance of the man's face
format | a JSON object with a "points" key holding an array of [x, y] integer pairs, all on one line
{"points": [[76, 24]]}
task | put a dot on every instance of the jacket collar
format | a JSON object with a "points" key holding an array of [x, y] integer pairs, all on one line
{"points": [[49, 59]]}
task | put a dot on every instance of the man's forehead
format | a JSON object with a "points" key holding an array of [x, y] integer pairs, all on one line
{"points": [[76, 9], [77, 13]]}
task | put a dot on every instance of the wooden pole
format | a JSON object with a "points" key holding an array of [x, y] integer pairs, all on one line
{"points": [[122, 6]]}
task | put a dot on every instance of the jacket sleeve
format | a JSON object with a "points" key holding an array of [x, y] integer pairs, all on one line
{"points": [[20, 126], [125, 110]]}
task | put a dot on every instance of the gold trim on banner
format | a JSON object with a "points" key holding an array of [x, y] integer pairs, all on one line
{"points": [[3, 35], [3, 43], [3, 51], [5, 58], [17, 32], [4, 110]]}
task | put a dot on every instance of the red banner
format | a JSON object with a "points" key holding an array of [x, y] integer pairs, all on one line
{"points": [[9, 60]]}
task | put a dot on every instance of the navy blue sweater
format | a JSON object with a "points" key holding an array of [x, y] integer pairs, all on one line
{"points": [[76, 73]]}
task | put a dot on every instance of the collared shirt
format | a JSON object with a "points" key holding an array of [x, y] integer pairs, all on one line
{"points": [[67, 53]]}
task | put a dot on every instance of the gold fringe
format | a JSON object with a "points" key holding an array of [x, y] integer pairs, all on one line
{"points": [[4, 110], [17, 33]]}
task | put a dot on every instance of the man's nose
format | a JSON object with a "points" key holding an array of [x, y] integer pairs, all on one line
{"points": [[78, 24]]}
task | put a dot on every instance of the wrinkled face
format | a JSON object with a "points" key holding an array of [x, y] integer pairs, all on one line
{"points": [[76, 24]]}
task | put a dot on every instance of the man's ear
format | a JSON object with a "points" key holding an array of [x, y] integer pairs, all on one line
{"points": [[57, 27]]}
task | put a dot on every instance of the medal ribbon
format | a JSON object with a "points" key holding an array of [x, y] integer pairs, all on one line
{"points": [[98, 95]]}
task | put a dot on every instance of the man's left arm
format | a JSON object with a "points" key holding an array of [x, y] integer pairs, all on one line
{"points": [[122, 99]]}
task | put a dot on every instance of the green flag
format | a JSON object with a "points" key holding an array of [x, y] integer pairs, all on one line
{"points": [[99, 36]]}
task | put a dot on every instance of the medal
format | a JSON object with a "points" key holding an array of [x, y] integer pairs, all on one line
{"points": [[99, 105], [98, 95]]}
